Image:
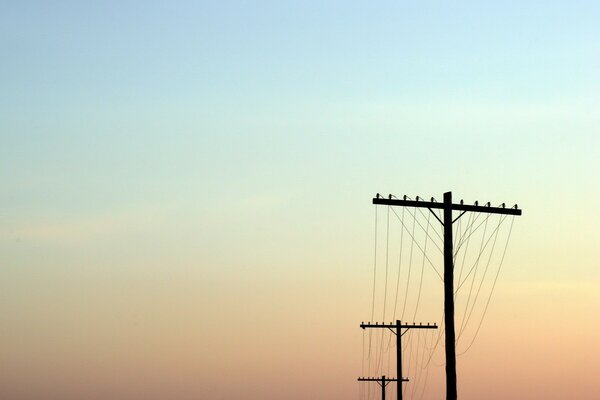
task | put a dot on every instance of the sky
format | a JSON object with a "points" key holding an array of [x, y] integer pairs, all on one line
{"points": [[185, 207]]}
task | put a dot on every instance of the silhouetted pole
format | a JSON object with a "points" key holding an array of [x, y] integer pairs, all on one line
{"points": [[447, 207], [383, 382], [398, 326], [399, 355], [451, 392]]}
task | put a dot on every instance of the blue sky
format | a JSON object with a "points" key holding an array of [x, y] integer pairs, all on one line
{"points": [[118, 105], [177, 89]]}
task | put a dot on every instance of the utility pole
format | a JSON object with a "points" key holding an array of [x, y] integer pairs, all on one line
{"points": [[396, 329], [448, 207], [383, 382]]}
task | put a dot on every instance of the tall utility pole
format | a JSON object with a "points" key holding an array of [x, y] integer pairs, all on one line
{"points": [[448, 208], [383, 382], [396, 329]]}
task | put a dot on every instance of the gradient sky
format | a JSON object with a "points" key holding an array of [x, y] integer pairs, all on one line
{"points": [[185, 207]]}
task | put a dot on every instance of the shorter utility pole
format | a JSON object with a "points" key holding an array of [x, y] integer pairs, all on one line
{"points": [[396, 329], [383, 382]]}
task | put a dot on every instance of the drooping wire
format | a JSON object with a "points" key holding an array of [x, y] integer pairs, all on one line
{"points": [[370, 335], [382, 333], [425, 230], [416, 362], [480, 254], [484, 222], [387, 259], [438, 214], [399, 266], [397, 282], [408, 353], [409, 270], [419, 247], [374, 268], [414, 215], [468, 317], [441, 330], [362, 367], [464, 257], [476, 264], [492, 290], [426, 367], [420, 351], [465, 237], [456, 233], [422, 270]]}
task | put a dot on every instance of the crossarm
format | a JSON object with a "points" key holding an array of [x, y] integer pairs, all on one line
{"points": [[455, 207]]}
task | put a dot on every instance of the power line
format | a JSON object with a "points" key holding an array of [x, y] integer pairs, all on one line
{"points": [[409, 268], [492, 290], [417, 244], [482, 279], [422, 270], [474, 268]]}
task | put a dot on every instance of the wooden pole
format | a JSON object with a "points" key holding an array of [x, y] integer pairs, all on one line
{"points": [[451, 391]]}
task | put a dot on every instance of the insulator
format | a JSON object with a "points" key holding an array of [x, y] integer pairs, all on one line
{"points": [[503, 205], [389, 196], [461, 202], [432, 199], [476, 202], [404, 197]]}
